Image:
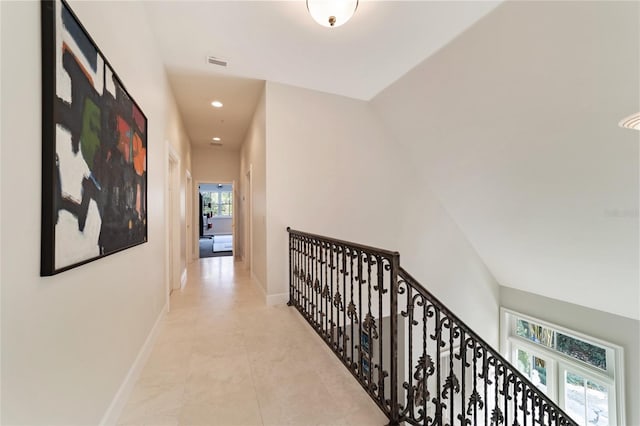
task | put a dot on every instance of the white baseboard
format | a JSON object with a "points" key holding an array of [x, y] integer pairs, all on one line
{"points": [[258, 284], [183, 278], [277, 299], [270, 299], [121, 397]]}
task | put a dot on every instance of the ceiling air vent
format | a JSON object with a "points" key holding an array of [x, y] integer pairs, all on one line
{"points": [[217, 61]]}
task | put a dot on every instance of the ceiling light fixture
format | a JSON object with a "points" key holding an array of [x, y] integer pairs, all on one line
{"points": [[216, 104], [631, 122], [217, 139], [331, 13]]}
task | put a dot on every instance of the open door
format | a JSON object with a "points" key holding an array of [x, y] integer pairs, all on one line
{"points": [[217, 219]]}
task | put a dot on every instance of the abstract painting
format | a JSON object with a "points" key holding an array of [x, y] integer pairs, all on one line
{"points": [[94, 150]]}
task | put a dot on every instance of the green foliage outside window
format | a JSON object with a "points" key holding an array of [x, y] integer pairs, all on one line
{"points": [[581, 350], [217, 203], [575, 348]]}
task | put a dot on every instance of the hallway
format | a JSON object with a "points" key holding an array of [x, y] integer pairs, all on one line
{"points": [[222, 357]]}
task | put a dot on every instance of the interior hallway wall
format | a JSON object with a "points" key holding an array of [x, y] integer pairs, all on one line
{"points": [[69, 340], [333, 171], [179, 140], [215, 165], [253, 158]]}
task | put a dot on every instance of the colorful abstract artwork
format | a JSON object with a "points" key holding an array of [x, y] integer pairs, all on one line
{"points": [[94, 150]]}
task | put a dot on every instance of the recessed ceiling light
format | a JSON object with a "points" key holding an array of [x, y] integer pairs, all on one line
{"points": [[216, 139], [216, 104]]}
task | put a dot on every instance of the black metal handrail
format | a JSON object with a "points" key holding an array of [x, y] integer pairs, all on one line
{"points": [[417, 360]]}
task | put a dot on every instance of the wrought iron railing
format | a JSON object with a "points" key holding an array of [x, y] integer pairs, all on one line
{"points": [[417, 360]]}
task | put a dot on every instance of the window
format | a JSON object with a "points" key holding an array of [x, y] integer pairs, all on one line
{"points": [[217, 203], [582, 374]]}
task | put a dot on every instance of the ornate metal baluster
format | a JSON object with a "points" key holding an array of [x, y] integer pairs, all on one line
{"points": [[319, 287], [380, 363], [505, 396], [407, 312], [343, 271], [300, 272], [475, 399], [368, 325], [451, 381], [325, 291], [299, 265], [303, 277], [463, 378], [360, 281], [290, 271], [485, 372], [300, 268], [310, 280], [310, 276], [516, 387], [438, 336], [316, 286], [426, 313], [332, 268], [307, 268], [523, 407], [294, 263], [496, 414], [351, 311], [318, 272], [393, 323]]}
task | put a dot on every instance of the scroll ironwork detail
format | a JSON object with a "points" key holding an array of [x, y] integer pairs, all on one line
{"points": [[415, 358]]}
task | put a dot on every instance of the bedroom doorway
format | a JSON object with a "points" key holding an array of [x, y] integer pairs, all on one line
{"points": [[217, 221]]}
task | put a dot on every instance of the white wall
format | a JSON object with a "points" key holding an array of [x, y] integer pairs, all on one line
{"points": [[222, 225], [253, 158], [69, 340], [514, 124], [214, 164], [616, 329], [332, 170], [179, 140]]}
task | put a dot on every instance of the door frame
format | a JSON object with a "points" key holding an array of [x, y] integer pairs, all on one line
{"points": [[196, 193], [248, 225], [171, 203], [188, 216]]}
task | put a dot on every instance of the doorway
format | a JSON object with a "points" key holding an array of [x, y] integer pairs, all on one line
{"points": [[217, 221], [173, 222]]}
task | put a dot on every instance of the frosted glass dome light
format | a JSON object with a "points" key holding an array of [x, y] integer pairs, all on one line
{"points": [[332, 13]]}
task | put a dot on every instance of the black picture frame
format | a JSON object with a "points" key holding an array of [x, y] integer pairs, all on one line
{"points": [[94, 149]]}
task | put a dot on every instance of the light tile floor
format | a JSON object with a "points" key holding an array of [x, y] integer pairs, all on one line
{"points": [[222, 357]]}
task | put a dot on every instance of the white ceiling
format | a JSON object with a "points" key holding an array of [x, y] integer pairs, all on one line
{"points": [[194, 92], [279, 41]]}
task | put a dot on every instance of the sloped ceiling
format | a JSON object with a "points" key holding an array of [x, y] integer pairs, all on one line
{"points": [[515, 126]]}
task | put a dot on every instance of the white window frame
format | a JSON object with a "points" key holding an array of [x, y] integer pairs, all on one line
{"points": [[558, 363], [551, 365], [220, 203]]}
